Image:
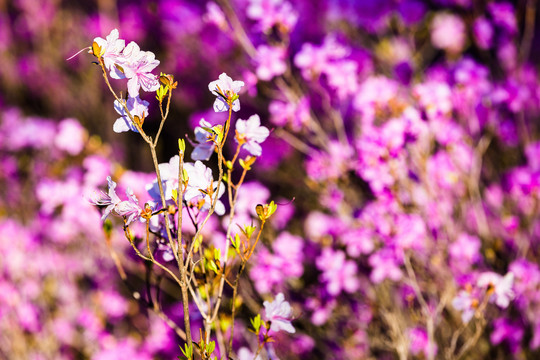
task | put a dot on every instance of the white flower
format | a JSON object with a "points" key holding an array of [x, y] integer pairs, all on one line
{"points": [[225, 89], [252, 133], [502, 287], [136, 107], [279, 313], [110, 48]]}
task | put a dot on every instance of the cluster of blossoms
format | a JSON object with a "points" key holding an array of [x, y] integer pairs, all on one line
{"points": [[406, 132]]}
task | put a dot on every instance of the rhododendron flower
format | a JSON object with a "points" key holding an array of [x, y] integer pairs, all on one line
{"points": [[130, 208], [205, 146], [137, 66], [279, 313], [200, 185], [110, 199], [502, 287], [136, 107], [252, 133], [226, 90], [270, 61], [465, 303], [110, 48]]}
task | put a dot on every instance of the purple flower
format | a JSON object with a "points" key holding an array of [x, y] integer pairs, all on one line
{"points": [[110, 49], [384, 265], [205, 146], [272, 12], [226, 90], [252, 134], [279, 313], [136, 107]]}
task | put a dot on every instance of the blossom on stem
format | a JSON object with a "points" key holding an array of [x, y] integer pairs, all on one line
{"points": [[110, 49], [110, 200], [226, 91], [201, 188], [205, 146], [279, 313], [136, 107], [129, 209], [137, 66], [251, 133]]}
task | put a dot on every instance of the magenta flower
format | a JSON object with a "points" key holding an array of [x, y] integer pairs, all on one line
{"points": [[137, 66], [279, 313], [252, 133], [270, 61], [136, 107], [110, 49], [339, 274], [226, 90]]}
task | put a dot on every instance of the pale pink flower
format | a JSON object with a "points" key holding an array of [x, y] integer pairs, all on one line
{"points": [[502, 287], [110, 48], [252, 133], [279, 313], [225, 88], [448, 32], [137, 66]]}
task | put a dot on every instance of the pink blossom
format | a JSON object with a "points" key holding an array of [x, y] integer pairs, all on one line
{"points": [[270, 61], [71, 136], [137, 66]]}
